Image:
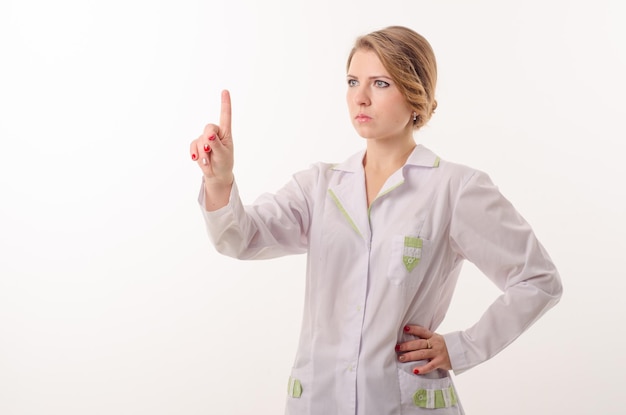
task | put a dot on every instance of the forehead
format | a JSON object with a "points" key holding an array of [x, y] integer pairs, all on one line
{"points": [[366, 63]]}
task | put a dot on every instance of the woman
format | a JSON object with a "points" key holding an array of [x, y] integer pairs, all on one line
{"points": [[386, 232]]}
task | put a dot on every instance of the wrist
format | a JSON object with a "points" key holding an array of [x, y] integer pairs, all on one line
{"points": [[214, 184]]}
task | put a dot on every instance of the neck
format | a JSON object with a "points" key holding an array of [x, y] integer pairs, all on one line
{"points": [[383, 155]]}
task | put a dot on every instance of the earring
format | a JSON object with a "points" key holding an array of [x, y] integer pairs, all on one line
{"points": [[414, 117]]}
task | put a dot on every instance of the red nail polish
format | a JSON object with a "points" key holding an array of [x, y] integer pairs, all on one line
{"points": [[416, 371], [397, 347], [207, 148], [407, 328], [212, 138], [193, 157]]}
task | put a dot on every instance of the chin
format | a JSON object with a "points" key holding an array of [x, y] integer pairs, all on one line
{"points": [[366, 136], [364, 132]]}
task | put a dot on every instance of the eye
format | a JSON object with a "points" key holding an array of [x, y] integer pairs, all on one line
{"points": [[352, 82], [381, 84]]}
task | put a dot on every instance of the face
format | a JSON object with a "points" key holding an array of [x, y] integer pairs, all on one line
{"points": [[377, 107]]}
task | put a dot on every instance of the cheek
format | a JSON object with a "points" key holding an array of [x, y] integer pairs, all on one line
{"points": [[350, 104], [349, 96], [403, 112], [397, 110], [400, 119]]}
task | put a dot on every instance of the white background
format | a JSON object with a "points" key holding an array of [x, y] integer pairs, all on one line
{"points": [[112, 300]]}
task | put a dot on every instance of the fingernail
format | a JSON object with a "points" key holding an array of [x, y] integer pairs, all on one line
{"points": [[407, 328], [204, 162], [402, 358], [194, 157], [416, 371], [397, 347], [207, 148], [212, 138]]}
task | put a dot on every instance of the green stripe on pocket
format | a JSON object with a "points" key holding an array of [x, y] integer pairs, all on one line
{"points": [[435, 398], [294, 389]]}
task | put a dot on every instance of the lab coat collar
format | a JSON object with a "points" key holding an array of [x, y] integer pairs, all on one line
{"points": [[420, 156], [350, 195]]}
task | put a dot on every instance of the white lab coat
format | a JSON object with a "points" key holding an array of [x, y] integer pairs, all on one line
{"points": [[372, 271]]}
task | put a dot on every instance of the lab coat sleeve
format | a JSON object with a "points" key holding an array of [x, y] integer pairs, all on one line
{"points": [[275, 225], [487, 230]]}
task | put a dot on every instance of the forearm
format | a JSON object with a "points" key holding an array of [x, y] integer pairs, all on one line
{"points": [[505, 320], [271, 227]]}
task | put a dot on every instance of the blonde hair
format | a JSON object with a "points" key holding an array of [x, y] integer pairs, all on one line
{"points": [[410, 60]]}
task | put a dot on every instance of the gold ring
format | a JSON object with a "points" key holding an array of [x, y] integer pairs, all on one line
{"points": [[428, 345]]}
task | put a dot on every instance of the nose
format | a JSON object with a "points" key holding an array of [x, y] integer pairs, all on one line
{"points": [[361, 96]]}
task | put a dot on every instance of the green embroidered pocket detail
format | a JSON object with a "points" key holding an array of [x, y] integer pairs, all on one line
{"points": [[435, 398], [412, 252], [294, 389]]}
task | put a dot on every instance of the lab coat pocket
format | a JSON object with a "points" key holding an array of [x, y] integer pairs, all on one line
{"points": [[408, 254], [432, 393]]}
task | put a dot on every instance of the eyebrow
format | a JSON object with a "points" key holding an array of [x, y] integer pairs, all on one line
{"points": [[371, 77]]}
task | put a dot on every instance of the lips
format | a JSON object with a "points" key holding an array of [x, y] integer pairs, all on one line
{"points": [[362, 118]]}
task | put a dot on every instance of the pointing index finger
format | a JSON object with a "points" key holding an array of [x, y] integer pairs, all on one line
{"points": [[225, 114]]}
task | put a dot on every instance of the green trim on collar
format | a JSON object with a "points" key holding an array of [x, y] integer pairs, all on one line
{"points": [[344, 211]]}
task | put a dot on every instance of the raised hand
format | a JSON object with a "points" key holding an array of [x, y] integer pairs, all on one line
{"points": [[213, 150]]}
